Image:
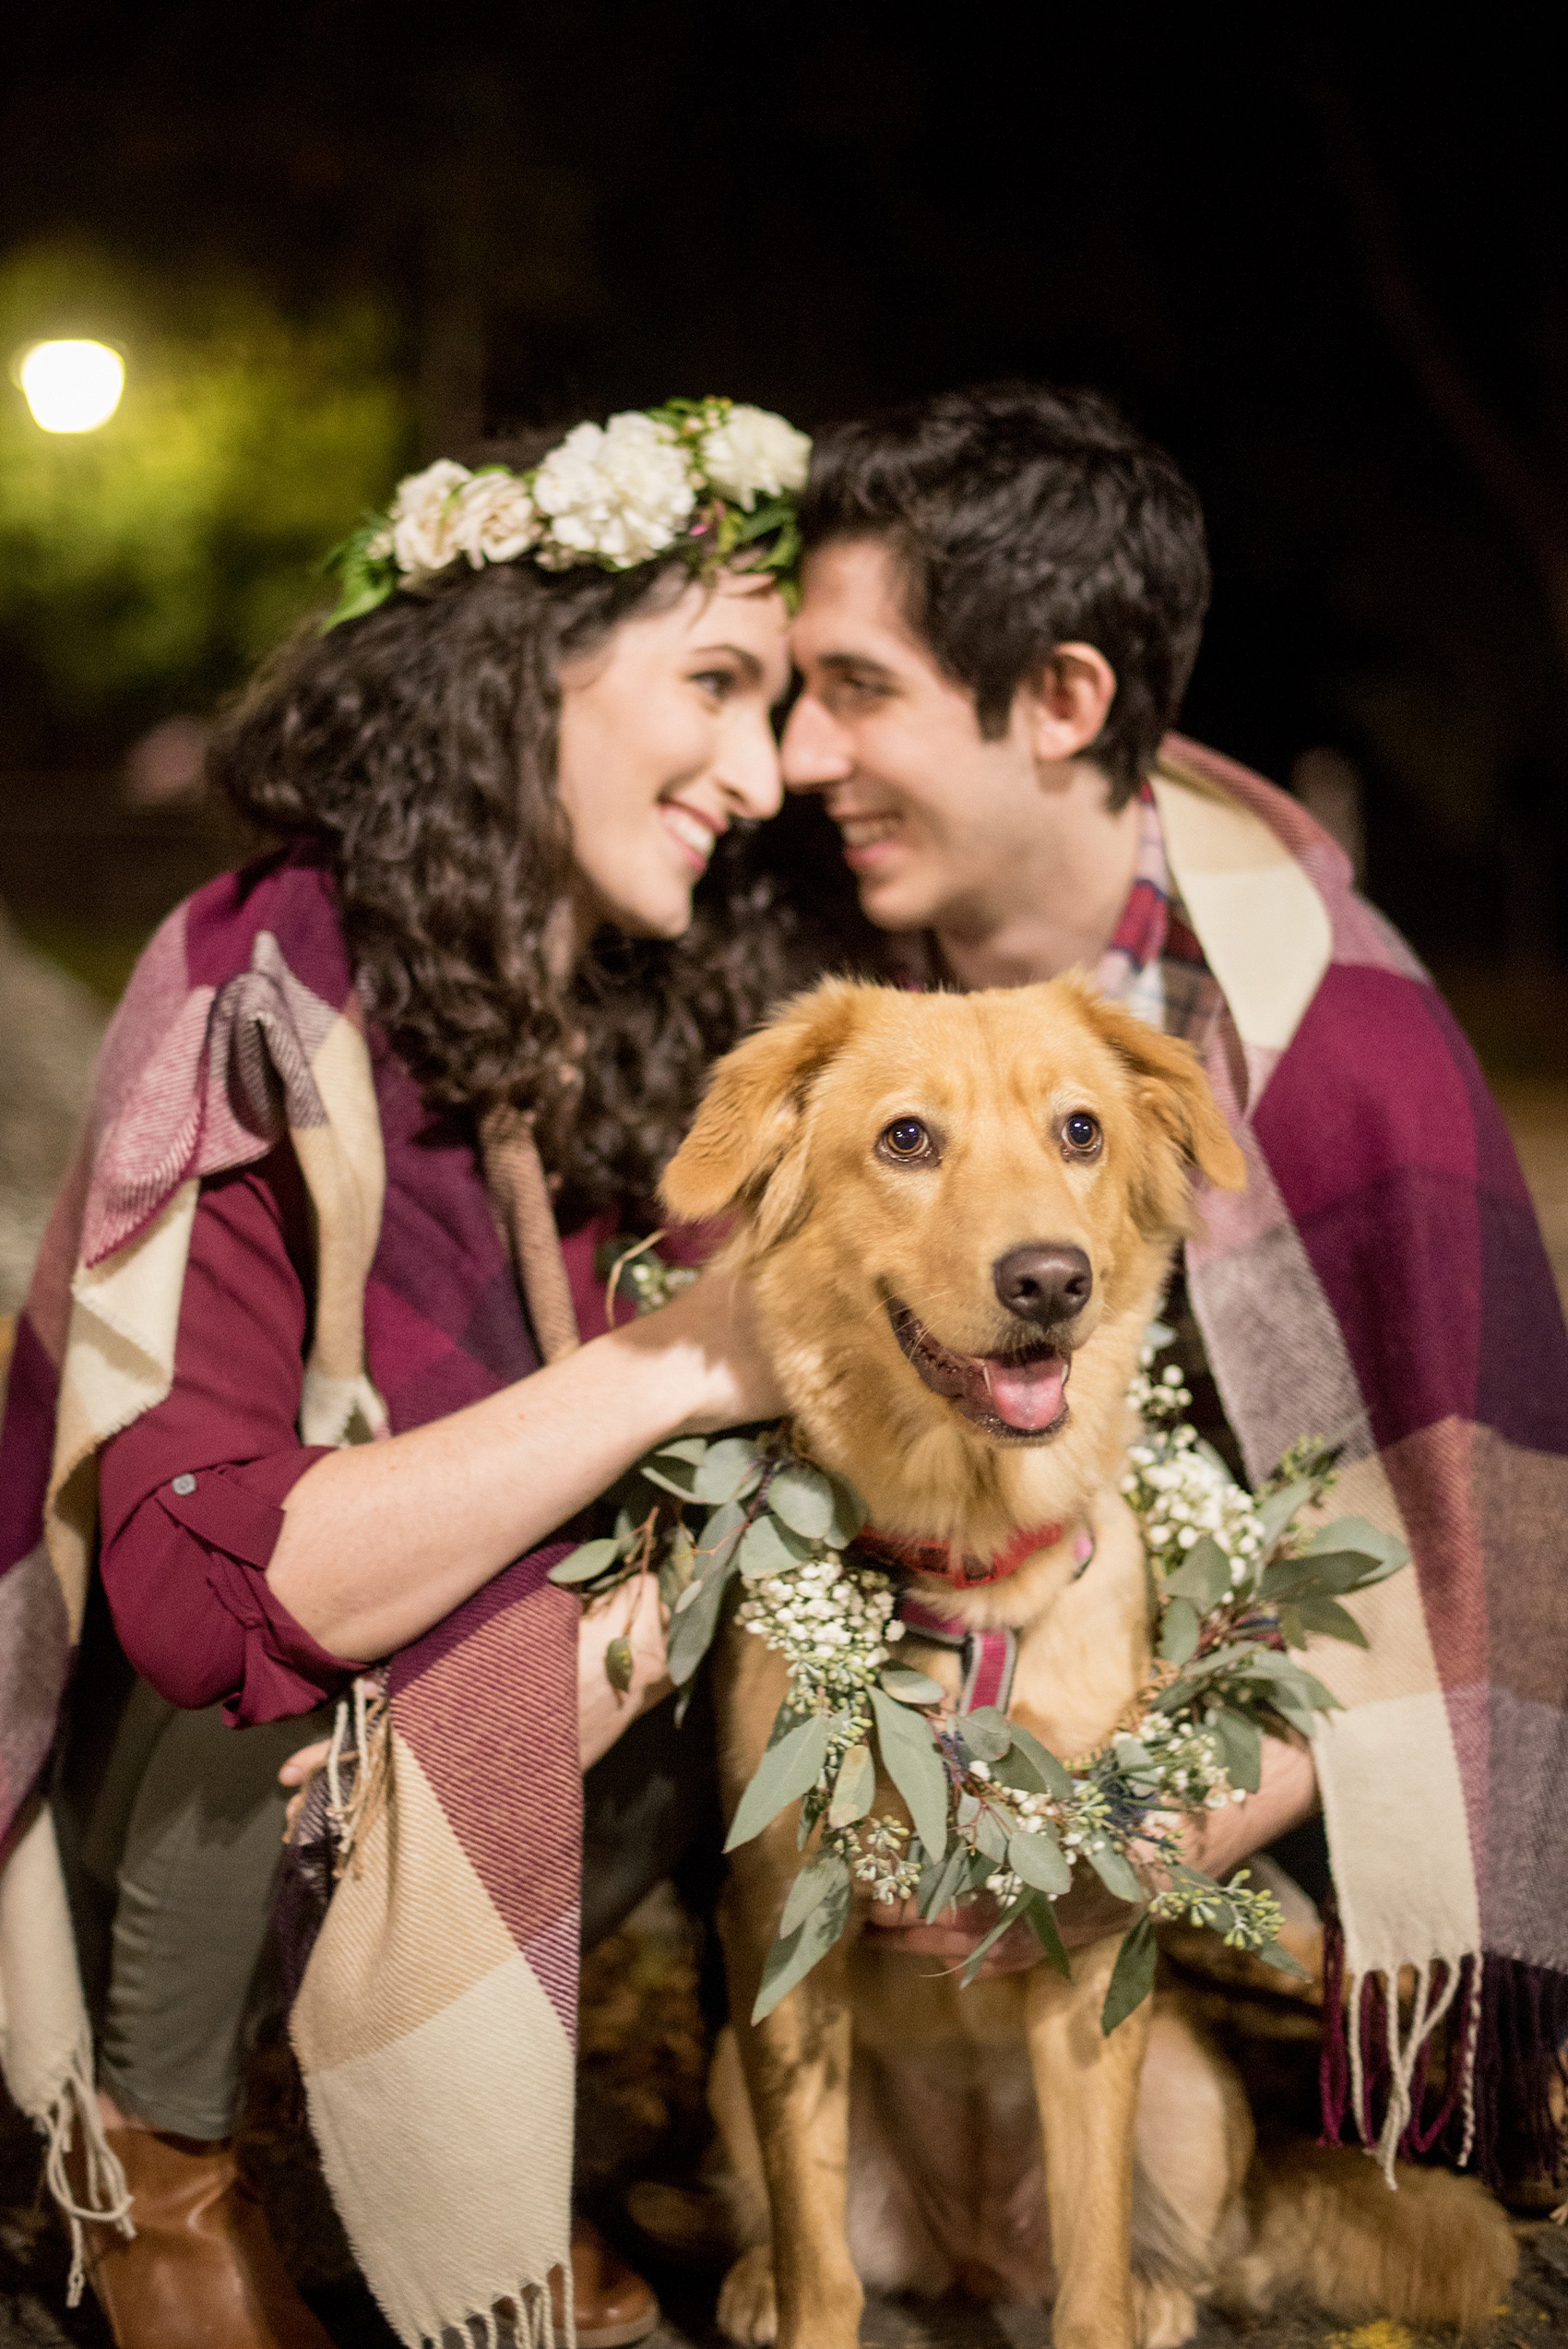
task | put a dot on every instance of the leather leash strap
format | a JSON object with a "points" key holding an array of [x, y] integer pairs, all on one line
{"points": [[520, 1197]]}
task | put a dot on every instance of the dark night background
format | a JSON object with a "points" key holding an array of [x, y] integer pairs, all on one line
{"points": [[1319, 252]]}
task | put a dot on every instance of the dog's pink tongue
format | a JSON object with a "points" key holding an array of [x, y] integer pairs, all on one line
{"points": [[1027, 1395]]}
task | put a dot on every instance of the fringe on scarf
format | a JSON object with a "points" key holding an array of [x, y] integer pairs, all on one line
{"points": [[1499, 2031], [106, 2196], [341, 1804], [526, 2321]]}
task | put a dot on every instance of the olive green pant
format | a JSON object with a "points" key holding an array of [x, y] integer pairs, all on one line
{"points": [[171, 1833]]}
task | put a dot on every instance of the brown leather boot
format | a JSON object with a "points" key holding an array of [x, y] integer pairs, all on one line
{"points": [[613, 2306], [202, 2271]]}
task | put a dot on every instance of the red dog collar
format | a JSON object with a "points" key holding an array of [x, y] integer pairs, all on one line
{"points": [[915, 1557]]}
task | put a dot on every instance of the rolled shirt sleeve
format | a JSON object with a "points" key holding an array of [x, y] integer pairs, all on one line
{"points": [[191, 1493]]}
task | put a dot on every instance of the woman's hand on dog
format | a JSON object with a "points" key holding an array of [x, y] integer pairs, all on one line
{"points": [[709, 1339]]}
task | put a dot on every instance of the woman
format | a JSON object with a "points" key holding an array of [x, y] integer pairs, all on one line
{"points": [[473, 982]]}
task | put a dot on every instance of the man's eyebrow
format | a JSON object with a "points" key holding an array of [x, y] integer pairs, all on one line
{"points": [[862, 664]]}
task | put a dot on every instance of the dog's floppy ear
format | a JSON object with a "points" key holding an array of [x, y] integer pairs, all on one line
{"points": [[746, 1148], [1173, 1093]]}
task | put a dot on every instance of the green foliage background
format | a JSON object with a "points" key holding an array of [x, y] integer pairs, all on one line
{"points": [[145, 566]]}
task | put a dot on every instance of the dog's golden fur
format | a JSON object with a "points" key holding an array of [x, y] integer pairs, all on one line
{"points": [[891, 2127]]}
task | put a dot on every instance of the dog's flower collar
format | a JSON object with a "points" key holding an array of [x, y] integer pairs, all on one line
{"points": [[909, 1555]]}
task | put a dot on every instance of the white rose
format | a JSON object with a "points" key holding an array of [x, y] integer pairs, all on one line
{"points": [[754, 450], [422, 516], [621, 493], [493, 520]]}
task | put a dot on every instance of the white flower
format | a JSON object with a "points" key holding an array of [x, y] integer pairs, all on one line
{"points": [[493, 520], [622, 494], [754, 450], [422, 516]]}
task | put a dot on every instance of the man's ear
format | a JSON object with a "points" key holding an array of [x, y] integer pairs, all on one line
{"points": [[746, 1147], [1172, 1093]]}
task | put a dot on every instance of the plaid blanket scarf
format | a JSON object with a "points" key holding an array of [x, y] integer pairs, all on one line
{"points": [[1382, 1283], [434, 2024]]}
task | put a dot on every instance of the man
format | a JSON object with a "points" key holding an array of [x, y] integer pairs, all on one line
{"points": [[1004, 595]]}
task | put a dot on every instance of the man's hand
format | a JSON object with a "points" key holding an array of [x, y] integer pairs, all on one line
{"points": [[1085, 1913]]}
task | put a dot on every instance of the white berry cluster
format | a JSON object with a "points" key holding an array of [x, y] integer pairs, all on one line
{"points": [[1180, 1491], [832, 1625]]}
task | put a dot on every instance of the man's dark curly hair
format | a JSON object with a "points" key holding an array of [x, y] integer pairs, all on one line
{"points": [[418, 745], [1021, 517]]}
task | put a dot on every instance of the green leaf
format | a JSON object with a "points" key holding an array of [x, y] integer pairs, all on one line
{"points": [[696, 1620], [719, 1535], [985, 1733], [1116, 1873], [1331, 1621], [976, 1958], [909, 1687], [586, 1563], [1367, 1540], [1036, 1855], [1241, 1748], [912, 1761], [1203, 1576], [618, 1664], [1292, 1629], [727, 1468], [680, 1484], [1042, 1916], [1178, 1630], [991, 1836], [854, 1788], [1275, 1954], [793, 1955], [850, 1513], [1277, 1513], [941, 1890], [803, 1497], [691, 1449], [1131, 1977], [768, 1547], [1031, 1766], [786, 1772], [1324, 1574], [820, 1877]]}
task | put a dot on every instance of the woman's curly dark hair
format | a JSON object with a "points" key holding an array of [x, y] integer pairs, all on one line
{"points": [[418, 746]]}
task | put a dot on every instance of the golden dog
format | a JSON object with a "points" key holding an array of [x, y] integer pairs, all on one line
{"points": [[957, 1214]]}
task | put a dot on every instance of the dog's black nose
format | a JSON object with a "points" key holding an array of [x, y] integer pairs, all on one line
{"points": [[1043, 1283]]}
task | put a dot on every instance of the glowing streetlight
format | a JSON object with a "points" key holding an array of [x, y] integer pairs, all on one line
{"points": [[71, 387]]}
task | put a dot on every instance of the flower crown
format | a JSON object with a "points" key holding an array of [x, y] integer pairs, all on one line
{"points": [[704, 478]]}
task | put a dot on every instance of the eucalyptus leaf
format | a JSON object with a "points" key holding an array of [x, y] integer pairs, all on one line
{"points": [[679, 1483], [1178, 1630], [1241, 1748], [725, 1525], [1277, 1513], [1042, 1916], [696, 1620], [1358, 1533], [768, 1547], [1131, 1977], [1292, 1630], [854, 1787], [1116, 1873], [586, 1563], [976, 1958], [912, 1761], [991, 1836], [985, 1733], [1323, 1574], [803, 1497], [691, 1449], [1331, 1621], [1203, 1576], [786, 1772], [618, 1664], [1026, 1753], [1275, 1954], [816, 1882], [1036, 1855], [727, 1468], [941, 1890], [850, 1513], [792, 1956], [909, 1687]]}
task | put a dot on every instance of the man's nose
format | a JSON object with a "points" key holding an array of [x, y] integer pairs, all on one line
{"points": [[1044, 1282], [815, 749]]}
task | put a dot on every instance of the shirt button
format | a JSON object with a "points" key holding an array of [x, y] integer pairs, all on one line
{"points": [[183, 1484]]}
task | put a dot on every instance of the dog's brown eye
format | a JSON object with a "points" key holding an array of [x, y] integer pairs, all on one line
{"points": [[907, 1139], [1081, 1133]]}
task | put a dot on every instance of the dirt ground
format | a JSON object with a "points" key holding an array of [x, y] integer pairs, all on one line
{"points": [[643, 2049]]}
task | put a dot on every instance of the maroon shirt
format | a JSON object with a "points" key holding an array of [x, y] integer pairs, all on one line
{"points": [[191, 1493]]}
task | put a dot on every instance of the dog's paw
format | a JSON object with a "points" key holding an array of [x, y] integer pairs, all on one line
{"points": [[748, 2306], [1164, 2316]]}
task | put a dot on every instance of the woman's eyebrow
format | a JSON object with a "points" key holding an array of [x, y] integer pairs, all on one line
{"points": [[750, 664]]}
